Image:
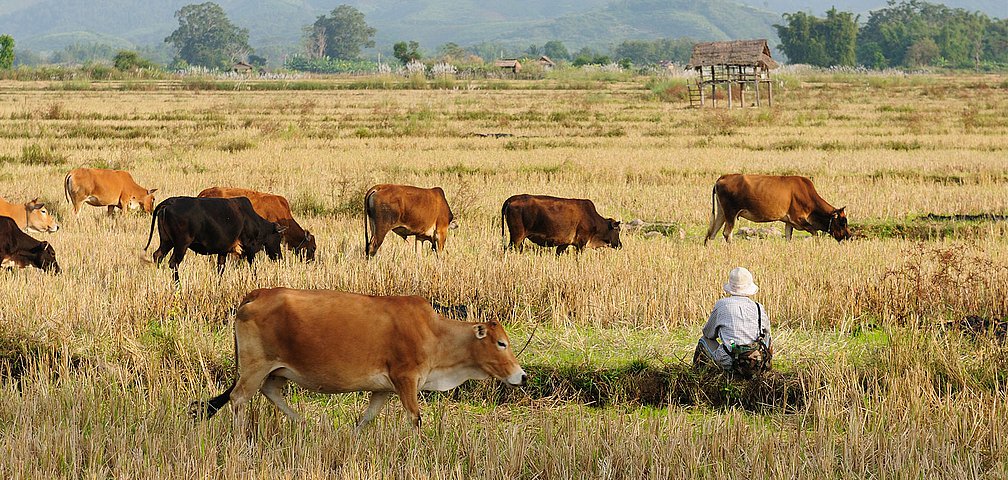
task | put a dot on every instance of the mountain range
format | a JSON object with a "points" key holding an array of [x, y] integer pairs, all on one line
{"points": [[276, 25]]}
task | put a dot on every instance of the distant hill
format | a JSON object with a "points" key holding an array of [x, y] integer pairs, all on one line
{"points": [[649, 19], [275, 25], [993, 8]]}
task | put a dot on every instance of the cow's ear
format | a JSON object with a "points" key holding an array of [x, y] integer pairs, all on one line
{"points": [[480, 329], [151, 191], [35, 205]]}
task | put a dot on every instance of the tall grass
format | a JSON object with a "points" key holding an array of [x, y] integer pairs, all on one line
{"points": [[99, 363]]}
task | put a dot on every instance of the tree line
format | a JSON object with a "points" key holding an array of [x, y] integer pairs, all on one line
{"points": [[911, 33]]}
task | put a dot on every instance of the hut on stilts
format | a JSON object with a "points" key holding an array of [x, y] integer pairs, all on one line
{"points": [[732, 66]]}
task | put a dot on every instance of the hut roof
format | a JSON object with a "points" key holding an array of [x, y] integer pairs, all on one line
{"points": [[507, 63], [546, 61], [754, 53]]}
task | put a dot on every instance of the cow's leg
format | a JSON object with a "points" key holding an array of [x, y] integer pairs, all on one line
{"points": [[561, 249], [788, 230], [717, 221], [380, 232], [408, 390], [221, 261], [111, 210], [375, 404], [250, 381], [273, 389], [178, 254], [161, 252], [729, 225]]}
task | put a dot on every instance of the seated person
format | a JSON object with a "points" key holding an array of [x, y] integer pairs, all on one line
{"points": [[736, 337]]}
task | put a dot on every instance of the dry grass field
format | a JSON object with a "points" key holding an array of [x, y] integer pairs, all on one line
{"points": [[872, 379]]}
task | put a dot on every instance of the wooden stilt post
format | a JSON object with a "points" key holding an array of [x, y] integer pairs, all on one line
{"points": [[769, 94], [756, 84]]}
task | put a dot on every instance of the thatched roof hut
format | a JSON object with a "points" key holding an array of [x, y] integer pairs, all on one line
{"points": [[748, 53], [509, 64]]}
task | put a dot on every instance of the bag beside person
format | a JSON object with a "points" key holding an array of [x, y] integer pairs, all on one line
{"points": [[754, 358]]}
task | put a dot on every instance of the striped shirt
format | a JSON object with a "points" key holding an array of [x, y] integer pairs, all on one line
{"points": [[735, 321]]}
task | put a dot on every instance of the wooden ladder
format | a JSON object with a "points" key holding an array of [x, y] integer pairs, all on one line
{"points": [[696, 96]]}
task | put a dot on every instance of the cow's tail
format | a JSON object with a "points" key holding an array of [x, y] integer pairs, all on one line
{"points": [[713, 202], [367, 216], [67, 186], [504, 209], [153, 221], [208, 408]]}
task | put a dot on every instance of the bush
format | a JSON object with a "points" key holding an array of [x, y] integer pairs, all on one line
{"points": [[329, 65], [126, 60]]}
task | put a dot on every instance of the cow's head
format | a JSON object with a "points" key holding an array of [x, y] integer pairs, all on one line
{"points": [[39, 219], [491, 350], [146, 201], [306, 249], [838, 225], [611, 234], [271, 237], [43, 256]]}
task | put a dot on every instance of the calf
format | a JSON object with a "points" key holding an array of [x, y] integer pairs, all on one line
{"points": [[211, 226], [557, 222], [18, 249]]}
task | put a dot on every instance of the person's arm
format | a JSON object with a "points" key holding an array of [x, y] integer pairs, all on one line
{"points": [[710, 329]]}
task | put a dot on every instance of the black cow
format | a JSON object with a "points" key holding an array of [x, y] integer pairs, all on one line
{"points": [[18, 249], [212, 226]]}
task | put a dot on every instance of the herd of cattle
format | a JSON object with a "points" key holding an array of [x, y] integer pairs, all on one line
{"points": [[331, 342]]}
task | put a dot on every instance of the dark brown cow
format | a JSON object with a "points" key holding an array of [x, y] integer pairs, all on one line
{"points": [[407, 211], [275, 209], [18, 249], [557, 222], [336, 342], [770, 198]]}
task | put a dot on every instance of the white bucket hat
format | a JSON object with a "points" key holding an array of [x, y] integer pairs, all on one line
{"points": [[740, 282]]}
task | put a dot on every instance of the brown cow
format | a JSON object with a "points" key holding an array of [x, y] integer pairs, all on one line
{"points": [[405, 210], [336, 342], [112, 188], [557, 222], [20, 250], [275, 209], [770, 198], [31, 216]]}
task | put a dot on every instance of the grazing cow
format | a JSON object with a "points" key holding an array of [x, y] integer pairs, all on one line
{"points": [[336, 342], [405, 210], [275, 209], [30, 217], [770, 198], [212, 226], [112, 188], [18, 249], [557, 222]]}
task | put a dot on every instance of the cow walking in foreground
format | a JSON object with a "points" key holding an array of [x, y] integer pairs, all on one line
{"points": [[406, 211], [276, 209], [335, 342], [111, 188], [30, 217], [557, 222], [20, 250], [768, 198], [211, 226]]}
